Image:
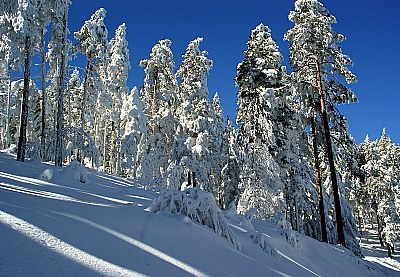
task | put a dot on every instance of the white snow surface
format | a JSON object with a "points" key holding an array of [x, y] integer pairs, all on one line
{"points": [[63, 227]]}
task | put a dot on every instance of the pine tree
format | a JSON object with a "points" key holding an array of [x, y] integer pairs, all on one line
{"points": [[133, 129], [218, 147], [92, 41], [317, 60], [381, 186], [257, 78], [118, 68], [160, 100], [195, 113]]}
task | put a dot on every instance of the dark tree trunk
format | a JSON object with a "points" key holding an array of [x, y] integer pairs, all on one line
{"points": [[194, 179], [389, 250], [25, 104], [189, 179], [319, 182], [335, 188]]}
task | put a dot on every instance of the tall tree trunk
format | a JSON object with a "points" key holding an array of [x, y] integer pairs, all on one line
{"points": [[319, 182], [335, 188], [25, 104], [60, 98], [43, 126]]}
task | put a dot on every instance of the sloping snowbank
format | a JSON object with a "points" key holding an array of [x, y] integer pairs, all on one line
{"points": [[64, 227]]}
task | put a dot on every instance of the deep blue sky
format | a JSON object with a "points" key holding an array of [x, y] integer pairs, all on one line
{"points": [[372, 29]]}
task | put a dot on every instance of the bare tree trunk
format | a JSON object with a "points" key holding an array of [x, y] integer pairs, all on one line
{"points": [[319, 182], [335, 188], [389, 250], [194, 179], [189, 179], [25, 104], [43, 127]]}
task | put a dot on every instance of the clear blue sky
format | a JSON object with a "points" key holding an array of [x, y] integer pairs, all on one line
{"points": [[372, 29]]}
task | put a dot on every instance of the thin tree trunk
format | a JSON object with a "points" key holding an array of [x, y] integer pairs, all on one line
{"points": [[389, 250], [194, 179], [335, 188], [319, 182], [189, 180], [25, 104], [59, 144], [43, 127]]}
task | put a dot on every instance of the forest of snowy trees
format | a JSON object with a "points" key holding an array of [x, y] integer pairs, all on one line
{"points": [[289, 154]]}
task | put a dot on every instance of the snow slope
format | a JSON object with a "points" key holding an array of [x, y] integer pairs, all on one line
{"points": [[62, 227]]}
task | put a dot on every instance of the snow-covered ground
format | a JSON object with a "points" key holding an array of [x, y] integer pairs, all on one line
{"points": [[53, 225]]}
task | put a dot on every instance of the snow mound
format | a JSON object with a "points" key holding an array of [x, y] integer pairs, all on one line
{"points": [[47, 174], [77, 172], [199, 206]]}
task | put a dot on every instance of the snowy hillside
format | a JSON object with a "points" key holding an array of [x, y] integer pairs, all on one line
{"points": [[63, 227]]}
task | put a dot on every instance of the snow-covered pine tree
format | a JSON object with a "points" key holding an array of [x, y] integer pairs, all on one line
{"points": [[230, 172], [26, 15], [12, 33], [118, 68], [257, 78], [317, 60], [72, 108], [133, 128], [160, 100], [218, 147], [381, 186], [58, 46], [92, 41], [195, 114]]}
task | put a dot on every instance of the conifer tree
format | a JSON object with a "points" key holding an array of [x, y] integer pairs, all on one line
{"points": [[317, 60], [118, 68], [195, 113], [92, 41], [257, 78], [159, 95]]}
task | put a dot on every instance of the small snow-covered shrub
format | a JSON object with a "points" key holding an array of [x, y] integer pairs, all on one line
{"points": [[248, 217], [258, 238], [261, 240], [47, 174], [199, 206], [76, 171], [231, 211], [285, 228]]}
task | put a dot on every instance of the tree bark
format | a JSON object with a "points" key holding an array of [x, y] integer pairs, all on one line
{"points": [[319, 182], [25, 104], [335, 188]]}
